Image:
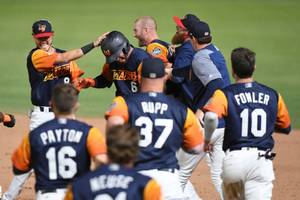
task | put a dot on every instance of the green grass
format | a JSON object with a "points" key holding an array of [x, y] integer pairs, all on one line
{"points": [[268, 27]]}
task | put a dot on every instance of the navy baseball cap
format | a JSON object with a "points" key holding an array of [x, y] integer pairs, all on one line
{"points": [[153, 68], [198, 29], [42, 28], [187, 18]]}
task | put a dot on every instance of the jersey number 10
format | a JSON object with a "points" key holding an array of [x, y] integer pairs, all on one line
{"points": [[256, 115]]}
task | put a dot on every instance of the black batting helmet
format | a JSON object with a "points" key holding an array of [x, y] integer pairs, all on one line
{"points": [[113, 44]]}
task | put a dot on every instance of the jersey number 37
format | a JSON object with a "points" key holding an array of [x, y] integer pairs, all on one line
{"points": [[147, 127]]}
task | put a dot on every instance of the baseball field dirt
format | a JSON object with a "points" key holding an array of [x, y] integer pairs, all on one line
{"points": [[286, 163]]}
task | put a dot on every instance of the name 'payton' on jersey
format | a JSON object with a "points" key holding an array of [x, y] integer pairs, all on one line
{"points": [[252, 97], [61, 135], [110, 181], [154, 107]]}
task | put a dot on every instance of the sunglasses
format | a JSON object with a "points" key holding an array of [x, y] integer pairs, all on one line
{"points": [[191, 35]]}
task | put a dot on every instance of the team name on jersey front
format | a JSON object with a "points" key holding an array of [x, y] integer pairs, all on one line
{"points": [[109, 182], [123, 75], [61, 135]]}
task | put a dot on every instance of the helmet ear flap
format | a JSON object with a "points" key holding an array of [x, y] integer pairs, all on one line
{"points": [[126, 48]]}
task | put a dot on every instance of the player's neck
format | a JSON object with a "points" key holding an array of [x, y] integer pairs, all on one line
{"points": [[201, 46], [243, 80], [65, 116], [152, 85]]}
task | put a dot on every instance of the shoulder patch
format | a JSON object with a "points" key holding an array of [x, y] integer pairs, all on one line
{"points": [[156, 51]]}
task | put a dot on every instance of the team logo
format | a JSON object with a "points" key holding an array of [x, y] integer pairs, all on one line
{"points": [[42, 27], [107, 53], [156, 51]]}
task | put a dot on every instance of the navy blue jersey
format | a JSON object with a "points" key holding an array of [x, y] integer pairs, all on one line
{"points": [[110, 182], [59, 152], [124, 76], [165, 125], [43, 82], [183, 57], [252, 112]]}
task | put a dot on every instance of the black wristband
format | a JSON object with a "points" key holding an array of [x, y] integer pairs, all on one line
{"points": [[87, 48]]}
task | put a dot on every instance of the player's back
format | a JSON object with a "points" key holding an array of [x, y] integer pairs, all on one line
{"points": [[111, 182], [251, 116], [59, 152], [161, 120]]}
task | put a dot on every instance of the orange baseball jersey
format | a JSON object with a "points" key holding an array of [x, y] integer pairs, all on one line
{"points": [[159, 49], [45, 74], [252, 112], [114, 182], [58, 151], [164, 123]]}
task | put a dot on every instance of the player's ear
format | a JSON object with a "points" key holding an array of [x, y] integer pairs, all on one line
{"points": [[77, 105]]}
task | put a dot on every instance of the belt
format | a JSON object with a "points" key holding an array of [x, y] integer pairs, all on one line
{"points": [[54, 190], [43, 108], [43, 191], [172, 170], [245, 149]]}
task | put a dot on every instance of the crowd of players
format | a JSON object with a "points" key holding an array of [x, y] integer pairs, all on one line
{"points": [[154, 138]]}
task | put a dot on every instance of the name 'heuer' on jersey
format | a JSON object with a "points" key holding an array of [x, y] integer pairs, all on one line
{"points": [[252, 97], [110, 181]]}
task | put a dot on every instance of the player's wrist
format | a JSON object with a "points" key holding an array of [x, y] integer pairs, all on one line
{"points": [[87, 48]]}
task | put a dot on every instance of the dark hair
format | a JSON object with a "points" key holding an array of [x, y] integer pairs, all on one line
{"points": [[202, 40], [64, 98], [205, 40], [243, 62], [122, 144]]}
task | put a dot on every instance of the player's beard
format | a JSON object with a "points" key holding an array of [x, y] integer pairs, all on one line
{"points": [[177, 38], [141, 43]]}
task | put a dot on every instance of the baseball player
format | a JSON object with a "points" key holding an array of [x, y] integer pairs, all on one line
{"points": [[7, 119], [209, 72], [180, 87], [47, 66], [121, 67], [145, 30], [252, 112], [165, 125], [60, 149], [118, 179]]}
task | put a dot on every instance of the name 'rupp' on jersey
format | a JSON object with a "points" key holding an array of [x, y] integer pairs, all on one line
{"points": [[61, 135], [154, 107], [252, 97], [109, 182]]}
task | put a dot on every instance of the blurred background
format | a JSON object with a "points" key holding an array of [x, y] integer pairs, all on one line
{"points": [[271, 28]]}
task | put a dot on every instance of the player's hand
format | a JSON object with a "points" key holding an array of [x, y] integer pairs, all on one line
{"points": [[99, 40], [208, 147], [168, 72], [200, 116], [9, 120], [83, 83]]}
